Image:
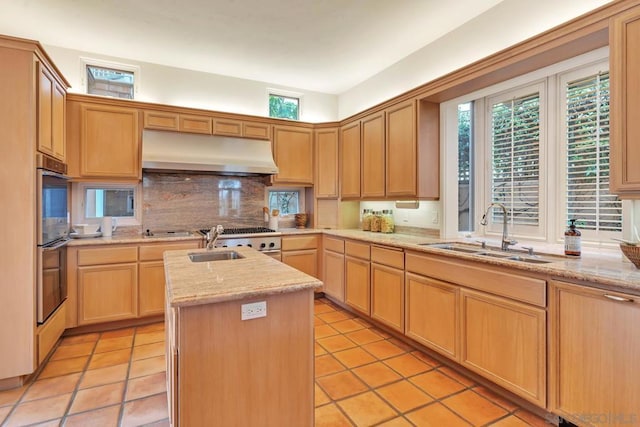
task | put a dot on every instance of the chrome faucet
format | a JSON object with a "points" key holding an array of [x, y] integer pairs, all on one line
{"points": [[212, 236], [505, 236]]}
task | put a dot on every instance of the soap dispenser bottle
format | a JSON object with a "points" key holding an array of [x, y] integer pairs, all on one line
{"points": [[572, 244]]}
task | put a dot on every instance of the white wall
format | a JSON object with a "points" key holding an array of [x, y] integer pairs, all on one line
{"points": [[186, 88], [508, 23]]}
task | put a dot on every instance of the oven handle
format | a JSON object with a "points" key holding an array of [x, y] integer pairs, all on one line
{"points": [[55, 246]]}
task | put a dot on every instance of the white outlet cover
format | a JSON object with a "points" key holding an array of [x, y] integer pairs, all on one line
{"points": [[253, 310]]}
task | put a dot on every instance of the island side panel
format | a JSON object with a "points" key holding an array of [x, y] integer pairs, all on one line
{"points": [[257, 372]]}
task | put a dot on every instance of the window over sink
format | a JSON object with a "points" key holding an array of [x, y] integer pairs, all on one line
{"points": [[288, 201], [92, 201]]}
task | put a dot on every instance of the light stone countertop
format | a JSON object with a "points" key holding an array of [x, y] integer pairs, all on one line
{"points": [[130, 239], [194, 283]]}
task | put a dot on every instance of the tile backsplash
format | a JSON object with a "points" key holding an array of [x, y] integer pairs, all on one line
{"points": [[174, 201]]}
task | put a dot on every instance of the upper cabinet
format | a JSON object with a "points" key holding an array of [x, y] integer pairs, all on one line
{"points": [[177, 122], [51, 96], [350, 160], [104, 141], [401, 151], [373, 156], [327, 163], [624, 57], [241, 129], [293, 154]]}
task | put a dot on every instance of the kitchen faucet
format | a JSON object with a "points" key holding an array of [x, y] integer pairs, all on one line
{"points": [[212, 236], [505, 240]]}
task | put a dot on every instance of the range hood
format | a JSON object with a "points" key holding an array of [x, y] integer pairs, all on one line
{"points": [[172, 151]]}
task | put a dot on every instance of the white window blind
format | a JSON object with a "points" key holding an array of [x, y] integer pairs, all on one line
{"points": [[515, 157], [587, 133]]}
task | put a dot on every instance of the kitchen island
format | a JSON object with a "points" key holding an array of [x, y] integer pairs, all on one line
{"points": [[226, 371]]}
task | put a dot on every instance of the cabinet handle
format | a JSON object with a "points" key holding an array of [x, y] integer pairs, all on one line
{"points": [[617, 298]]}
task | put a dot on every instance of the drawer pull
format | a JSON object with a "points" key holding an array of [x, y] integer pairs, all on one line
{"points": [[617, 298]]}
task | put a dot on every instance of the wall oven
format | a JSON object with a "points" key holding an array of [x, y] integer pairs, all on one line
{"points": [[52, 235]]}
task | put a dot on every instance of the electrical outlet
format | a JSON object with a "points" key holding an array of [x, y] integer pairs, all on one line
{"points": [[434, 217], [253, 310]]}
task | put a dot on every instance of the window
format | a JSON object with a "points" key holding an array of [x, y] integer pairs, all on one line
{"points": [[288, 202], [587, 156], [94, 201], [110, 78], [284, 107], [465, 167]]}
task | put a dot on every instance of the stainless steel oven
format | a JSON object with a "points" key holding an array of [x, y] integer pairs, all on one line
{"points": [[52, 235]]}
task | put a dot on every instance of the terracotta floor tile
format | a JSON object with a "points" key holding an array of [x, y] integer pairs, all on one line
{"points": [[100, 417], [4, 411], [495, 398], [380, 332], [330, 416], [334, 316], [322, 308], [437, 384], [383, 349], [97, 397], [435, 415], [367, 409], [325, 365], [148, 350], [401, 344], [324, 330], [161, 423], [145, 411], [146, 386], [404, 396], [462, 379], [151, 327], [364, 336], [72, 350], [149, 337], [362, 322], [52, 423], [52, 387], [510, 421], [320, 397], [341, 385], [354, 357], [317, 321], [318, 350], [110, 358], [39, 411], [336, 343], [376, 374], [112, 344], [57, 368], [117, 333], [152, 365], [101, 376], [396, 422], [426, 358], [9, 397], [77, 339], [531, 418], [474, 408], [348, 325], [407, 365]]}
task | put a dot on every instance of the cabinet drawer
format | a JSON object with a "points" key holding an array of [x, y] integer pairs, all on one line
{"points": [[390, 257], [158, 120], [357, 250], [299, 242], [49, 333], [107, 255], [335, 245], [510, 285], [256, 130], [195, 124], [154, 252]]}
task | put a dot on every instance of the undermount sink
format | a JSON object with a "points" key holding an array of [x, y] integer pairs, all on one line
{"points": [[477, 250], [453, 247], [214, 256]]}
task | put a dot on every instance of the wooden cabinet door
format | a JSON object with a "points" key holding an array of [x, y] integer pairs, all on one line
{"points": [[58, 108], [107, 292], [357, 281], [373, 156], [333, 277], [387, 295], [594, 354], [256, 130], [624, 62], [505, 342], [227, 127], [305, 260], [433, 317], [195, 124], [401, 151], [51, 108], [109, 142], [160, 120], [350, 161], [293, 154], [151, 288], [327, 163]]}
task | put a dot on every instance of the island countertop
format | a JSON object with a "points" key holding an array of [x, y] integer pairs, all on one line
{"points": [[255, 275]]}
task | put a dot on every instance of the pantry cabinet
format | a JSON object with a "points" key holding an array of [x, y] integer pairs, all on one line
{"points": [[333, 264], [387, 286], [350, 161], [327, 163], [357, 276], [373, 156], [594, 347], [51, 113], [624, 68], [293, 154]]}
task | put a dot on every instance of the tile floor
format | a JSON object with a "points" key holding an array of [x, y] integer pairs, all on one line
{"points": [[364, 377]]}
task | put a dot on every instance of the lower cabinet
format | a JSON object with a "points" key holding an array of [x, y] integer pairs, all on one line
{"points": [[107, 293], [594, 348], [387, 287], [301, 252], [333, 264], [357, 276], [50, 331], [151, 289]]}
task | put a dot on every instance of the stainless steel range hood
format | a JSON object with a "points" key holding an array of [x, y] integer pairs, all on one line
{"points": [[172, 151]]}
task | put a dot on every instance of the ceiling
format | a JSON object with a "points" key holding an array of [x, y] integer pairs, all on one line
{"points": [[327, 46]]}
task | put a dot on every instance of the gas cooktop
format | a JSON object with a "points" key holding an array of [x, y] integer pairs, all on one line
{"points": [[240, 231]]}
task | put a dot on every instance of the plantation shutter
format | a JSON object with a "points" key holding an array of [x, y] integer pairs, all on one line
{"points": [[588, 197], [515, 153]]}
